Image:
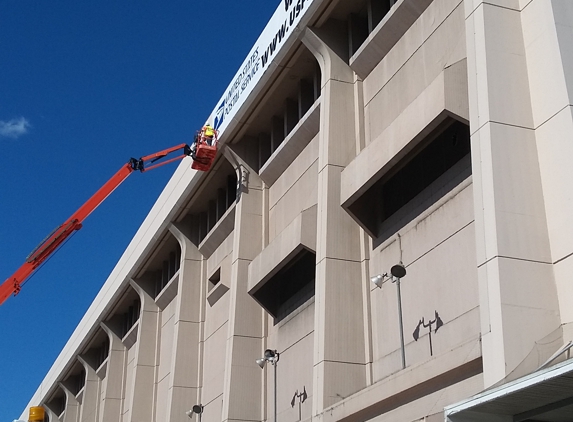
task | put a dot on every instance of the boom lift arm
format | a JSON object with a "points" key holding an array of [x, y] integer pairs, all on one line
{"points": [[49, 245]]}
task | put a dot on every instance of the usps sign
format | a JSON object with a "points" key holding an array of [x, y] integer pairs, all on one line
{"points": [[272, 39]]}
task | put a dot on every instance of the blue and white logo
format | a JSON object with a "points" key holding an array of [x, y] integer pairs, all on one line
{"points": [[219, 116]]}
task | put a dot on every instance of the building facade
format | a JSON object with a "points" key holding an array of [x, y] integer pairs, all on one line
{"points": [[359, 139]]}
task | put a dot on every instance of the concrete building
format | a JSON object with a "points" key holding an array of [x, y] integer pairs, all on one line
{"points": [[359, 135]]}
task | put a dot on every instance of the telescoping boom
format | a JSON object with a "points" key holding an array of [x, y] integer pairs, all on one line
{"points": [[49, 245]]}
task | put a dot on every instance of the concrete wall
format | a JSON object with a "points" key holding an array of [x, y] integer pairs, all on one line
{"points": [[486, 246]]}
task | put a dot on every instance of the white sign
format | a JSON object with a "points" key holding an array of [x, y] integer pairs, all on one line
{"points": [[272, 39]]}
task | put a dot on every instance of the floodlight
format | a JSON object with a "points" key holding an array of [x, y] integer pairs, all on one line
{"points": [[398, 270]]}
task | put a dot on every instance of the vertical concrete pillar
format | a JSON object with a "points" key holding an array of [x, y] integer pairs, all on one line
{"points": [[142, 400], [72, 412], [518, 303], [114, 381], [339, 319], [242, 384], [91, 395], [186, 361], [548, 39]]}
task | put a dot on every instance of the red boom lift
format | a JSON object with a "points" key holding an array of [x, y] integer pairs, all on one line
{"points": [[45, 249]]}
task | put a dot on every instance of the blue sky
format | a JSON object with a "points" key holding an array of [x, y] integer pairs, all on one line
{"points": [[84, 86]]}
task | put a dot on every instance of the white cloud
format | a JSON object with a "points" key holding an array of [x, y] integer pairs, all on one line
{"points": [[14, 128]]}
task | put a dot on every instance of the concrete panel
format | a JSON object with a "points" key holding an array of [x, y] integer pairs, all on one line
{"points": [[337, 145], [450, 215], [143, 387], [563, 271], [217, 315], [242, 370], [213, 410], [248, 226], [555, 151], [112, 409], [472, 5], [292, 329], [429, 408], [498, 60], [181, 399], [338, 234], [245, 314], [161, 400], [398, 21], [434, 282], [519, 294], [185, 355], [215, 348], [301, 232], [128, 389], [340, 380], [294, 374], [301, 195], [292, 146], [382, 396], [72, 411], [445, 96], [293, 173], [166, 338], [91, 394], [563, 15], [513, 211], [224, 250], [414, 39], [339, 282], [147, 337], [191, 290], [386, 100], [544, 61]]}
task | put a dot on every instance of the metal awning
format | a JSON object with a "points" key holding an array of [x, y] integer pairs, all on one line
{"points": [[545, 395]]}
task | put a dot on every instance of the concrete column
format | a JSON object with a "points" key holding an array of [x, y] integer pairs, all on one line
{"points": [[114, 381], [339, 319], [518, 302], [186, 363], [242, 384], [548, 39], [91, 395], [72, 412], [142, 401]]}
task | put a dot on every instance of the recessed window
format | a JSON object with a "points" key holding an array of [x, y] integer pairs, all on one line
{"points": [[215, 279], [169, 268], [102, 353], [290, 287], [437, 164], [433, 160], [130, 317]]}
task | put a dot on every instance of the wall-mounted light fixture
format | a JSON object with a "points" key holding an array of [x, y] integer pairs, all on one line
{"points": [[198, 408], [396, 273], [271, 356]]}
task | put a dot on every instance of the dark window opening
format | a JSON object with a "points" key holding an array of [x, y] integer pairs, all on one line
{"points": [[78, 381], [58, 405], [362, 23], [291, 287], [169, 268], [260, 147], [130, 317], [102, 353], [215, 279], [439, 153], [425, 167], [222, 198]]}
